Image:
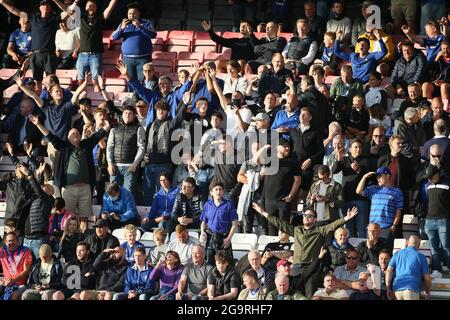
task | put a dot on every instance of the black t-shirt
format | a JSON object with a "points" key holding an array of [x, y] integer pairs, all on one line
{"points": [[279, 185], [43, 31], [227, 170], [91, 33], [275, 247]]}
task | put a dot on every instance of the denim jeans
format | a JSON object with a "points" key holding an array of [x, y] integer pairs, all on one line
{"points": [[125, 178], [357, 227], [203, 178], [34, 245], [124, 296], [436, 230], [92, 62], [151, 180], [134, 66], [152, 224]]}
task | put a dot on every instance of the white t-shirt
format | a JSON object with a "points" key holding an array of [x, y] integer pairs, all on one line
{"points": [[230, 86], [66, 41], [233, 128], [44, 272], [320, 206]]}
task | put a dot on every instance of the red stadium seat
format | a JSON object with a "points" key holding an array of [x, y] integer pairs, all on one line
{"points": [[116, 89], [115, 82], [177, 45], [163, 70], [98, 95], [161, 55], [286, 35], [330, 79], [191, 56], [110, 71], [6, 73], [123, 95], [205, 49], [259, 35], [158, 44], [62, 73], [181, 34], [213, 56], [163, 35], [8, 93], [229, 34]]}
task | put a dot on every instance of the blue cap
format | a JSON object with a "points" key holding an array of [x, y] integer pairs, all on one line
{"points": [[383, 170]]}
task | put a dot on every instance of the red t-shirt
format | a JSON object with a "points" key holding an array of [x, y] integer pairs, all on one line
{"points": [[14, 263]]}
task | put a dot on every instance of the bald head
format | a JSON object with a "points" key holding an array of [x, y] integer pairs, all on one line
{"points": [[439, 127], [414, 241]]}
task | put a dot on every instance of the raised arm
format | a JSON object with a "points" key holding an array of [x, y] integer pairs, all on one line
{"points": [[12, 9], [61, 5], [411, 36], [219, 92], [35, 120], [29, 92], [102, 85], [80, 89], [337, 47], [109, 9], [362, 182]]}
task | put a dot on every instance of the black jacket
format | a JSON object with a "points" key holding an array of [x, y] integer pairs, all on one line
{"points": [[65, 148], [307, 145], [110, 273], [321, 111], [273, 82], [241, 48], [36, 225], [406, 170], [56, 274], [87, 274], [405, 72], [413, 137], [367, 255], [265, 48], [98, 245], [67, 249], [32, 133], [350, 178]]}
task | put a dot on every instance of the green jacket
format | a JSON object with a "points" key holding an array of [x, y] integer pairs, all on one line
{"points": [[336, 199], [272, 295], [355, 88], [260, 296], [307, 241]]}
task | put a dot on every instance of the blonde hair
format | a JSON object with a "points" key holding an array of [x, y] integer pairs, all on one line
{"points": [[45, 251], [339, 230], [160, 234], [129, 228], [66, 227]]}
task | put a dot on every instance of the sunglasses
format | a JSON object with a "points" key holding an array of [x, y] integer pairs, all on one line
{"points": [[352, 258], [435, 155], [309, 216]]}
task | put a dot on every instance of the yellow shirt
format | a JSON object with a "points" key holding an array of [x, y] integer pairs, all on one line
{"points": [[374, 46]]}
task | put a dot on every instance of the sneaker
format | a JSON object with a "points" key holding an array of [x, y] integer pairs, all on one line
{"points": [[436, 274]]}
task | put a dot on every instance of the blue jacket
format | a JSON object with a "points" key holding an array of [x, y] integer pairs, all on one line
{"points": [[282, 120], [125, 206], [129, 251], [362, 67], [136, 42], [163, 203], [151, 97], [139, 280]]}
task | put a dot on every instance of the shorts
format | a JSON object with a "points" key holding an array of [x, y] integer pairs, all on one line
{"points": [[89, 61], [42, 61], [403, 9], [78, 199]]}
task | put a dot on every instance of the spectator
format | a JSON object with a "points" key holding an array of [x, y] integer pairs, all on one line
{"points": [[437, 219], [183, 244], [136, 45], [219, 223], [276, 79], [265, 47], [346, 85], [360, 22], [130, 246], [168, 271], [162, 204], [101, 239], [150, 80], [414, 100], [125, 150], [288, 117], [315, 21], [376, 93], [370, 249], [440, 138], [364, 288], [193, 281], [45, 277], [410, 68], [187, 207], [339, 22], [159, 237], [85, 264], [431, 10], [331, 290], [119, 207], [233, 80], [386, 203], [338, 248], [224, 281], [432, 42], [403, 10], [364, 62], [275, 251], [19, 45], [349, 272], [410, 129], [253, 289], [283, 291], [325, 54], [141, 112], [43, 29], [411, 272], [67, 44], [437, 114], [138, 284], [358, 126], [70, 238], [73, 14], [15, 273], [111, 268], [265, 276], [441, 76]]}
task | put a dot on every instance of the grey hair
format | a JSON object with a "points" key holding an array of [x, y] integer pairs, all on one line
{"points": [[410, 113]]}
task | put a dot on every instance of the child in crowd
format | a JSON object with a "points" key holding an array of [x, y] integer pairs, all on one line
{"points": [[131, 244], [57, 221], [328, 59], [159, 236]]}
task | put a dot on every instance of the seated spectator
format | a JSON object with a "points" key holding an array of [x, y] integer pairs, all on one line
{"points": [[339, 22], [233, 80], [441, 77], [224, 282], [318, 73], [338, 248], [334, 130], [183, 244], [168, 271], [326, 56], [15, 275], [253, 289], [150, 80], [45, 277], [265, 276], [67, 45], [162, 204], [275, 78], [159, 237], [131, 244], [363, 62], [57, 222], [70, 238], [19, 45], [315, 21], [138, 284], [414, 100], [376, 93], [110, 268], [302, 48], [365, 288], [346, 85], [349, 272], [370, 249], [432, 42], [101, 239], [283, 291], [288, 117], [331, 290], [193, 281], [275, 251], [358, 126], [118, 208], [410, 68], [85, 264], [378, 118], [265, 47]]}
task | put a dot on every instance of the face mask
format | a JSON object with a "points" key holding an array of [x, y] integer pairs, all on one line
{"points": [[236, 102], [114, 198]]}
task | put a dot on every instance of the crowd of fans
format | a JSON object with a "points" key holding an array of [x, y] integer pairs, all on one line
{"points": [[259, 141]]}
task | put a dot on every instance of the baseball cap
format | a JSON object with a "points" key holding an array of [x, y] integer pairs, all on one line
{"points": [[101, 223], [282, 142], [363, 40], [28, 80], [383, 170], [261, 116], [282, 262]]}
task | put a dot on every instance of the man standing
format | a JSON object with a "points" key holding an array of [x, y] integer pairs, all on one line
{"points": [[408, 268]]}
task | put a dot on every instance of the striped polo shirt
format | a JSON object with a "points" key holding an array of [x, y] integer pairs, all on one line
{"points": [[384, 203]]}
